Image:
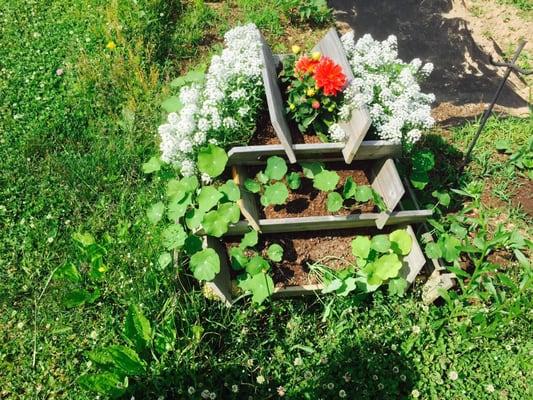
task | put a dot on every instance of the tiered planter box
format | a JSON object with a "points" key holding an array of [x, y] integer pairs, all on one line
{"points": [[380, 170]]}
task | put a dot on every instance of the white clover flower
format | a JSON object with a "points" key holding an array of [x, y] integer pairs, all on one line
{"points": [[336, 133], [453, 375], [260, 379]]}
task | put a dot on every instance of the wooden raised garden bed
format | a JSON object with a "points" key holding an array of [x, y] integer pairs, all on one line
{"points": [[281, 133]]}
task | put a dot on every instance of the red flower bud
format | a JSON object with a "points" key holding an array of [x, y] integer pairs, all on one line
{"points": [[315, 104]]}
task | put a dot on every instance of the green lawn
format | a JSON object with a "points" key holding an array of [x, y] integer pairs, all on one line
{"points": [[77, 120]]}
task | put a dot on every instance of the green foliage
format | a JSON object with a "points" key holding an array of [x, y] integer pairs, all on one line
{"points": [[137, 328], [276, 193], [422, 162], [326, 180], [275, 252], [294, 180], [205, 264], [334, 202], [312, 11], [212, 160], [276, 168]]}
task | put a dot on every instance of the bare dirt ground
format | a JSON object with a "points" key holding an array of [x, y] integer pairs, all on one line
{"points": [[458, 36]]}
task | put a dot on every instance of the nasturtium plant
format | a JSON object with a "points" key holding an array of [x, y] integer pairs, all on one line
{"points": [[173, 236], [277, 193], [275, 252], [250, 239], [334, 202], [205, 265], [252, 186], [310, 169], [423, 162], [326, 180], [276, 168], [294, 180], [260, 285], [212, 160], [208, 198], [230, 190]]}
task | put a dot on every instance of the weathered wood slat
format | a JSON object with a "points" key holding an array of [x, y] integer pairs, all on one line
{"points": [[221, 285], [359, 123], [247, 203], [368, 150], [328, 222], [295, 291], [275, 101], [386, 181], [414, 261]]}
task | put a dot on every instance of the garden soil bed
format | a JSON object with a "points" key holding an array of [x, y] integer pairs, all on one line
{"points": [[308, 201], [301, 249]]}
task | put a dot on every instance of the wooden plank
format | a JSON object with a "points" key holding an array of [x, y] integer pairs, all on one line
{"points": [[368, 150], [386, 181], [414, 261], [359, 123], [296, 291], [221, 285], [247, 203], [275, 101], [328, 222]]}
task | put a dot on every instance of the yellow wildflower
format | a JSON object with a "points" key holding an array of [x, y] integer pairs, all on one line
{"points": [[310, 92], [111, 45], [296, 49], [292, 106], [316, 55]]}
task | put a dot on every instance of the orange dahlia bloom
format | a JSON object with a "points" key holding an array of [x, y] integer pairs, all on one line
{"points": [[329, 76], [305, 65]]}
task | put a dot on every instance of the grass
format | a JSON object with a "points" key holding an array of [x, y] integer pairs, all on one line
{"points": [[71, 149]]}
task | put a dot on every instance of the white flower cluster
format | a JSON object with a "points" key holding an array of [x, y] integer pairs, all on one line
{"points": [[220, 107], [388, 87]]}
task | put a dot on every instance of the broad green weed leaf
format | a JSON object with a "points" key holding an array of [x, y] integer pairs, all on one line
{"points": [[380, 243], [442, 197], [105, 383], [276, 168], [85, 238], [205, 265], [208, 198], [121, 358], [275, 252], [334, 202], [155, 212], [75, 298], [230, 190], [212, 160], [165, 336], [361, 247], [68, 271], [137, 328], [152, 165], [326, 181]]}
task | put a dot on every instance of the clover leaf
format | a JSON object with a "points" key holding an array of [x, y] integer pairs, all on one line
{"points": [[276, 168], [212, 160], [275, 252], [205, 265], [334, 202], [276, 193], [326, 180]]}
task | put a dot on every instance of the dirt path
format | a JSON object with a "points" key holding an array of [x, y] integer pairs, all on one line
{"points": [[458, 36]]}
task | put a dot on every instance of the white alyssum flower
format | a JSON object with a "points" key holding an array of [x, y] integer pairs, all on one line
{"points": [[210, 110], [388, 87]]}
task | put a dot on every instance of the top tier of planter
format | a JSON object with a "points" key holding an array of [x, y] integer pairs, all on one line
{"points": [[356, 128]]}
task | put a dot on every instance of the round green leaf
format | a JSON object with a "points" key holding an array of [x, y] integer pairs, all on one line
{"points": [[215, 224], [164, 259], [212, 160], [363, 193], [237, 258], [256, 265], [230, 190], [423, 161], [361, 247], [152, 165], [294, 180], [177, 209], [155, 212], [433, 250], [276, 168], [401, 242], [172, 104], [249, 239], [252, 186], [173, 236], [387, 266], [260, 285], [334, 202], [230, 211], [276, 193], [326, 181], [380, 243], [205, 265], [193, 218], [275, 252], [261, 177], [311, 169], [208, 198]]}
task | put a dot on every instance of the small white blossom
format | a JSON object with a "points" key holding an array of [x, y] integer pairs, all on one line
{"points": [[260, 379], [453, 375]]}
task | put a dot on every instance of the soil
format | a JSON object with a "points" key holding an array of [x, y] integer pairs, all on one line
{"points": [[305, 248], [308, 201], [523, 195]]}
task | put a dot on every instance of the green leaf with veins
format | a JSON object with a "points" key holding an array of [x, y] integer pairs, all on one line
{"points": [[401, 242], [256, 265], [249, 239], [361, 247], [215, 223], [332, 286], [212, 160], [397, 286], [238, 258], [275, 252], [363, 193], [164, 259], [348, 190], [380, 243], [326, 181], [193, 218], [294, 180], [177, 189], [276, 168], [137, 328], [311, 169], [173, 236], [208, 198], [450, 247], [260, 285], [205, 265], [230, 190], [177, 209], [433, 250], [276, 193], [334, 202], [230, 211], [252, 185], [387, 266], [68, 271]]}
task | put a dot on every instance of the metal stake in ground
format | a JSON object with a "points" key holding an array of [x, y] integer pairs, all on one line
{"points": [[511, 66]]}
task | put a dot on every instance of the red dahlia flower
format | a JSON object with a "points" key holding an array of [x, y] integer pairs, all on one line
{"points": [[329, 76], [305, 65]]}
